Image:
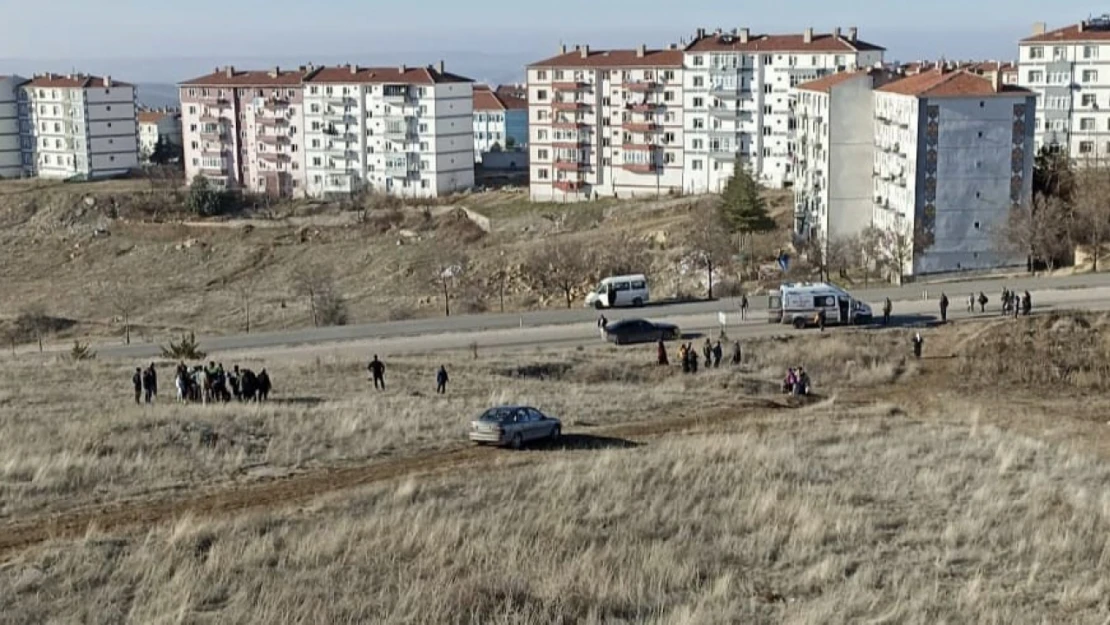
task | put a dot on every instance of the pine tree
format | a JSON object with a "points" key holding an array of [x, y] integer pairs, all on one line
{"points": [[743, 205]]}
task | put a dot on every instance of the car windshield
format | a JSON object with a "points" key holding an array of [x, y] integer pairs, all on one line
{"points": [[601, 288], [498, 415]]}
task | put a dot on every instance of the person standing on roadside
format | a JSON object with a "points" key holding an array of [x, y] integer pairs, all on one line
{"points": [[887, 308], [441, 380], [602, 324], [661, 354], [982, 302], [821, 319], [743, 306], [943, 308], [377, 372]]}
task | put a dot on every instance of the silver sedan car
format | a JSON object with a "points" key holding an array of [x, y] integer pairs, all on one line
{"points": [[514, 426]]}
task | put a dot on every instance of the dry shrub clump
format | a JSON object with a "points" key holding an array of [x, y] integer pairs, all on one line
{"points": [[807, 523], [856, 359], [1060, 349]]}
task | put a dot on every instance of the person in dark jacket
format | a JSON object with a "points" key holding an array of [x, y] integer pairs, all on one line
{"points": [[441, 380], [661, 354], [943, 308], [137, 382], [917, 344], [264, 385], [1026, 303], [887, 308], [718, 353], [377, 372], [737, 355], [821, 319], [150, 384]]}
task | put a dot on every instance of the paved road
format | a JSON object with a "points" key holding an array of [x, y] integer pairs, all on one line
{"points": [[909, 313], [906, 296]]}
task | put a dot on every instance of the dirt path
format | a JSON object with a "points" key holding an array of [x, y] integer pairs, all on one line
{"points": [[224, 500]]}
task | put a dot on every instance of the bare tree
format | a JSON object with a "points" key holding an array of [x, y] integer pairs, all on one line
{"points": [[244, 292], [1040, 231], [896, 245], [1091, 206], [33, 322], [709, 243], [317, 283], [448, 265], [870, 249], [559, 264], [124, 300]]}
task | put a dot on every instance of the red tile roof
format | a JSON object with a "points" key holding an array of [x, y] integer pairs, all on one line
{"points": [[1069, 34], [230, 77], [71, 81], [825, 84], [486, 100], [949, 84], [614, 58], [819, 42], [401, 75]]}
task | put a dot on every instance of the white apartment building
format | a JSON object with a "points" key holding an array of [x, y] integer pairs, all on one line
{"points": [[738, 101], [605, 123], [953, 156], [80, 126], [500, 121], [835, 143], [11, 153], [155, 126], [1069, 71], [403, 130]]}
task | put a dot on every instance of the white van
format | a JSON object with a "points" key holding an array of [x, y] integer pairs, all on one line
{"points": [[798, 303], [617, 291]]}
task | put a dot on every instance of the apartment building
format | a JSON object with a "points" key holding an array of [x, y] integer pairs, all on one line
{"points": [[1069, 71], [158, 125], [738, 102], [500, 121], [78, 126], [605, 123], [834, 138], [320, 131], [244, 130], [11, 153], [953, 156], [1007, 71]]}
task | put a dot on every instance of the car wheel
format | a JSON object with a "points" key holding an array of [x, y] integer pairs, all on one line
{"points": [[556, 432], [597, 305], [800, 323], [517, 442], [618, 339], [638, 302]]}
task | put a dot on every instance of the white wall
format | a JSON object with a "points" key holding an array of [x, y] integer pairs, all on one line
{"points": [[851, 153]]}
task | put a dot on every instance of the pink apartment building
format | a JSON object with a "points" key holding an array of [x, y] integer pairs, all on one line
{"points": [[241, 129]]}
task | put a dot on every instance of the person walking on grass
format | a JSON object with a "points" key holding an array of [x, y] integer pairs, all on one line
{"points": [[377, 372], [707, 352], [661, 354], [137, 382], [917, 344], [971, 303], [150, 384], [982, 302], [718, 353], [743, 306], [821, 319], [887, 308], [441, 380], [737, 356]]}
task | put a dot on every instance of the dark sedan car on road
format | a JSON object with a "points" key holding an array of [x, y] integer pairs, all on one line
{"points": [[628, 331]]}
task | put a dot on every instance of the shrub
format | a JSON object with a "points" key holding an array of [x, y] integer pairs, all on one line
{"points": [[186, 348], [81, 351]]}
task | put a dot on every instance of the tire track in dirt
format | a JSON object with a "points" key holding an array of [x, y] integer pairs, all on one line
{"points": [[226, 500]]}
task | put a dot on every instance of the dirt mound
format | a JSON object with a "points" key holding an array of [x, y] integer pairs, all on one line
{"points": [[1069, 348]]}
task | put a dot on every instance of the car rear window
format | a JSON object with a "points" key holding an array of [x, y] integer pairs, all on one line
{"points": [[497, 414]]}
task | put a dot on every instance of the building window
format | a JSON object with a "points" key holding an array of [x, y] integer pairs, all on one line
{"points": [[1087, 123], [699, 103], [542, 173], [1090, 75], [1088, 99], [699, 61], [1036, 53], [1090, 52], [1086, 147], [1036, 76], [1059, 53], [699, 81], [696, 164], [541, 94]]}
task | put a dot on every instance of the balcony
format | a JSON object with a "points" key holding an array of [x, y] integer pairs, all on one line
{"points": [[640, 86], [214, 134], [729, 93], [722, 152], [274, 139], [569, 144], [568, 106], [642, 127], [214, 170], [341, 100], [400, 135], [567, 124], [400, 169], [209, 150], [568, 165], [721, 112], [272, 122], [274, 157], [340, 117], [397, 95], [567, 186], [644, 107], [275, 103], [640, 168], [641, 147], [214, 100], [569, 85]]}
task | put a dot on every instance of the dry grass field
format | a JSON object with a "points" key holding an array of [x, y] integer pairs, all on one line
{"points": [[964, 487], [88, 253]]}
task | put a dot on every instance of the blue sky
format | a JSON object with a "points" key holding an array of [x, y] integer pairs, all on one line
{"points": [[174, 38]]}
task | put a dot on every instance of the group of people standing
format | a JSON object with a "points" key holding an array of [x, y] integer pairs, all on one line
{"points": [[377, 373], [205, 384], [688, 355]]}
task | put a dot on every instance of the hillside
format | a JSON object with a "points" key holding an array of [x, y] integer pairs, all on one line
{"points": [[87, 254]]}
